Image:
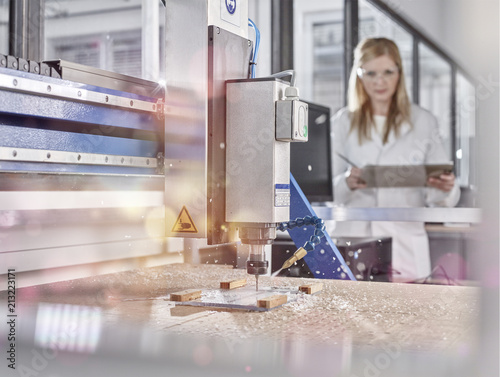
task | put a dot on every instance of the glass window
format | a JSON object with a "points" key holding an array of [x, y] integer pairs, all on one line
{"points": [[327, 84], [435, 91], [319, 52], [465, 130], [4, 27], [374, 23], [121, 36]]}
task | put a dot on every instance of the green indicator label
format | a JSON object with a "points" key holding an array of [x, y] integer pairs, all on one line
{"points": [[305, 131]]}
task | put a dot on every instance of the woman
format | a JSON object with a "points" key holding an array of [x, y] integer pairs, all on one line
{"points": [[381, 127]]}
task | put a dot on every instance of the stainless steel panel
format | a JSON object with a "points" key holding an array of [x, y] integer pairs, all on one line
{"points": [[200, 58], [452, 215], [106, 79], [186, 38], [229, 57], [256, 162]]}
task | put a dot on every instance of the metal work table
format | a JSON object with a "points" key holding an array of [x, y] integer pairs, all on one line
{"points": [[453, 215]]}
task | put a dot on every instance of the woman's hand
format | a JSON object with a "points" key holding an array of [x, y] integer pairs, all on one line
{"points": [[444, 182], [354, 180]]}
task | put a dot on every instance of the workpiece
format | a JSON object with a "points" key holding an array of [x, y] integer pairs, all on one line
{"points": [[186, 295]]}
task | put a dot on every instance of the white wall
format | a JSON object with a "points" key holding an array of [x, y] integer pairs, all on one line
{"points": [[458, 27], [425, 15], [470, 30]]}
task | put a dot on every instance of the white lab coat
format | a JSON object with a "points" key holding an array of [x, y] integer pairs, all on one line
{"points": [[418, 145]]}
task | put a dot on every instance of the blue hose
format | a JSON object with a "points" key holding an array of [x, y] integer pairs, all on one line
{"points": [[256, 48], [319, 230]]}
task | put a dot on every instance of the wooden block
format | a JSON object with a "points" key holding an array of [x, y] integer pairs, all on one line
{"points": [[311, 288], [186, 295], [233, 284], [272, 301]]}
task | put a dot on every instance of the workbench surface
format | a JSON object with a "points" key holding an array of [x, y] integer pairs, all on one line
{"points": [[363, 314]]}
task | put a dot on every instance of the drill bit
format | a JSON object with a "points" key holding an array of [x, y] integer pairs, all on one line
{"points": [[256, 282]]}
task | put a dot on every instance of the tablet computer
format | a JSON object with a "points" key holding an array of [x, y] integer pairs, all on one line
{"points": [[402, 175]]}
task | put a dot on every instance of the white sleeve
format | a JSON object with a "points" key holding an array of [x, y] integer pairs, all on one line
{"points": [[435, 154], [340, 127]]}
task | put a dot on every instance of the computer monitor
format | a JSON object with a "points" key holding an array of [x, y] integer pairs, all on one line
{"points": [[311, 162]]}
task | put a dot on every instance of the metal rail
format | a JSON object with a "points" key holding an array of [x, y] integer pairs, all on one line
{"points": [[26, 85], [62, 157]]}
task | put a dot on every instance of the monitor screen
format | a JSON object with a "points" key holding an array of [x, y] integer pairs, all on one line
{"points": [[311, 162]]}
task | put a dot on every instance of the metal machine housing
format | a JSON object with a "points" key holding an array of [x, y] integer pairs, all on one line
{"points": [[258, 165]]}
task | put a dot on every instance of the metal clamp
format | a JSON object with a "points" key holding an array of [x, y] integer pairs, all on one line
{"points": [[160, 109], [160, 163]]}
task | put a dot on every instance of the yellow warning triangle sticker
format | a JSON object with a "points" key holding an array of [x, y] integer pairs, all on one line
{"points": [[184, 223]]}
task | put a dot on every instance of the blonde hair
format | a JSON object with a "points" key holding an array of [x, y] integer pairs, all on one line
{"points": [[358, 101]]}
